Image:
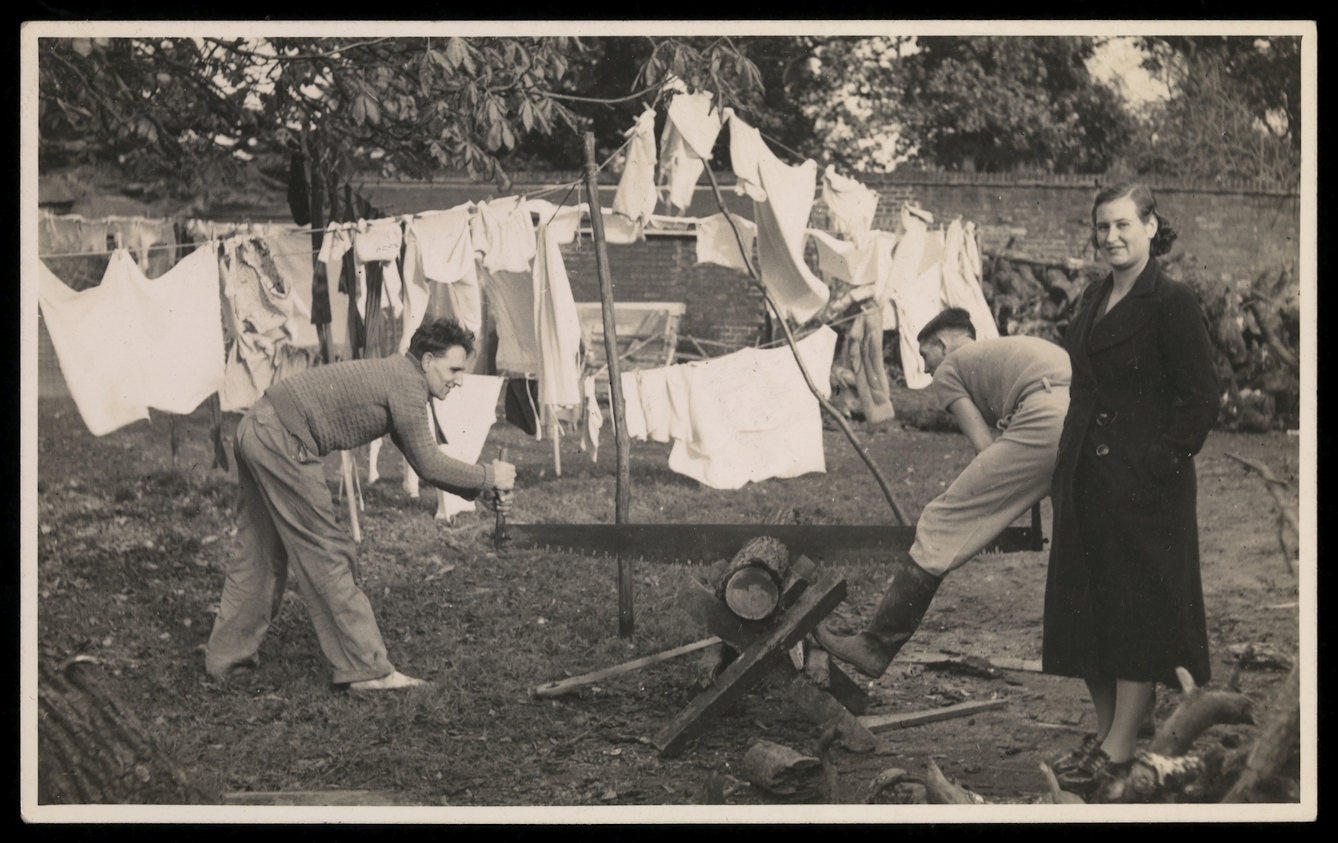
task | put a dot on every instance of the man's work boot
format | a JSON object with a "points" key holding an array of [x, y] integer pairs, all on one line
{"points": [[896, 620]]}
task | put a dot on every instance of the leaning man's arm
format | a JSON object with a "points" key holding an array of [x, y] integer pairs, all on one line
{"points": [[972, 423]]}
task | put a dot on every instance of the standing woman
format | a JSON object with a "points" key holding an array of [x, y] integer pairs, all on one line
{"points": [[1123, 599]]}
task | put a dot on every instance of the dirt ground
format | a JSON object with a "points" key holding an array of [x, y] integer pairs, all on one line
{"points": [[129, 569]]}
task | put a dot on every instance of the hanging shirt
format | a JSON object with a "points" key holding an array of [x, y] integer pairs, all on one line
{"points": [[852, 205], [557, 326], [132, 343], [511, 303], [685, 144], [717, 244], [635, 199], [752, 415], [916, 296], [960, 287], [503, 231], [781, 215], [465, 417]]}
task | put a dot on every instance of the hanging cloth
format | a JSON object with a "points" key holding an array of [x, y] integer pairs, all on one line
{"points": [[503, 231], [379, 242], [752, 416], [914, 295], [636, 196], [852, 205], [439, 248], [717, 244], [593, 418], [864, 357], [132, 343], [290, 249], [557, 326], [562, 220], [635, 418], [960, 287], [686, 142], [465, 417], [782, 200]]}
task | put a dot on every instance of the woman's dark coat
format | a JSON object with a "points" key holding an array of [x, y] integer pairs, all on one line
{"points": [[1143, 398]]}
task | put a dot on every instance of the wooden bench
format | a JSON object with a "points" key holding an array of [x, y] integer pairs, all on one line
{"points": [[647, 336]]}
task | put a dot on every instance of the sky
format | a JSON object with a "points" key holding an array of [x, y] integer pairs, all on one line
{"points": [[1117, 62]]}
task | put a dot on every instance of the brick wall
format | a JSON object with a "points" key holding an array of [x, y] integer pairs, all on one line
{"points": [[721, 305], [1238, 231]]}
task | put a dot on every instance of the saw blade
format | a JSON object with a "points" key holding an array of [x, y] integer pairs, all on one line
{"points": [[706, 543]]}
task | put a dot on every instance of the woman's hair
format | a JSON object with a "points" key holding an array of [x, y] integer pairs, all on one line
{"points": [[436, 337], [1146, 204], [952, 319]]}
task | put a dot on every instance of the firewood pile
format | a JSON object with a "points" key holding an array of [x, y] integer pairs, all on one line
{"points": [[1255, 326]]}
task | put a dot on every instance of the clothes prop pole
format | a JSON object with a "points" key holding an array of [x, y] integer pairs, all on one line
{"points": [[808, 379], [622, 442]]}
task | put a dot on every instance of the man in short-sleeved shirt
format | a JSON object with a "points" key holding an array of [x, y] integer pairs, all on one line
{"points": [[1009, 396]]}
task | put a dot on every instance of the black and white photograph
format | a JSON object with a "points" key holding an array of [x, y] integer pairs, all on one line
{"points": [[668, 421]]}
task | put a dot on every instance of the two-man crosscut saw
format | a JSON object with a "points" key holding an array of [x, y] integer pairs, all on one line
{"points": [[706, 543]]}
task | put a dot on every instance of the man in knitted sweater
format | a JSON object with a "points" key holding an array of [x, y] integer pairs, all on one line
{"points": [[286, 518]]}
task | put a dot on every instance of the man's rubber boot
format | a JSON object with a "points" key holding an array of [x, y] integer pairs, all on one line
{"points": [[896, 620]]}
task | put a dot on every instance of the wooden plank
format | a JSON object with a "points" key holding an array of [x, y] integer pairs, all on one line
{"points": [[753, 663], [1001, 662], [880, 722], [740, 635], [824, 710], [575, 683], [311, 797]]}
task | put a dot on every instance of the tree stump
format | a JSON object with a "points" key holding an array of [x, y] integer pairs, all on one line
{"points": [[92, 750]]}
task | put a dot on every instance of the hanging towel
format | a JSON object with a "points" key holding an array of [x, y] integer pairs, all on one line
{"points": [[635, 418], [753, 416], [465, 417], [717, 244], [557, 326], [960, 287], [972, 250], [685, 144], [635, 199], [781, 217], [852, 205], [503, 231], [916, 296], [132, 343]]}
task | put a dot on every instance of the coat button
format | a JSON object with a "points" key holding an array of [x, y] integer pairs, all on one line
{"points": [[1102, 449], [1102, 419]]}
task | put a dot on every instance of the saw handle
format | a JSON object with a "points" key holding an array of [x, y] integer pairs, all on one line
{"points": [[499, 530]]}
